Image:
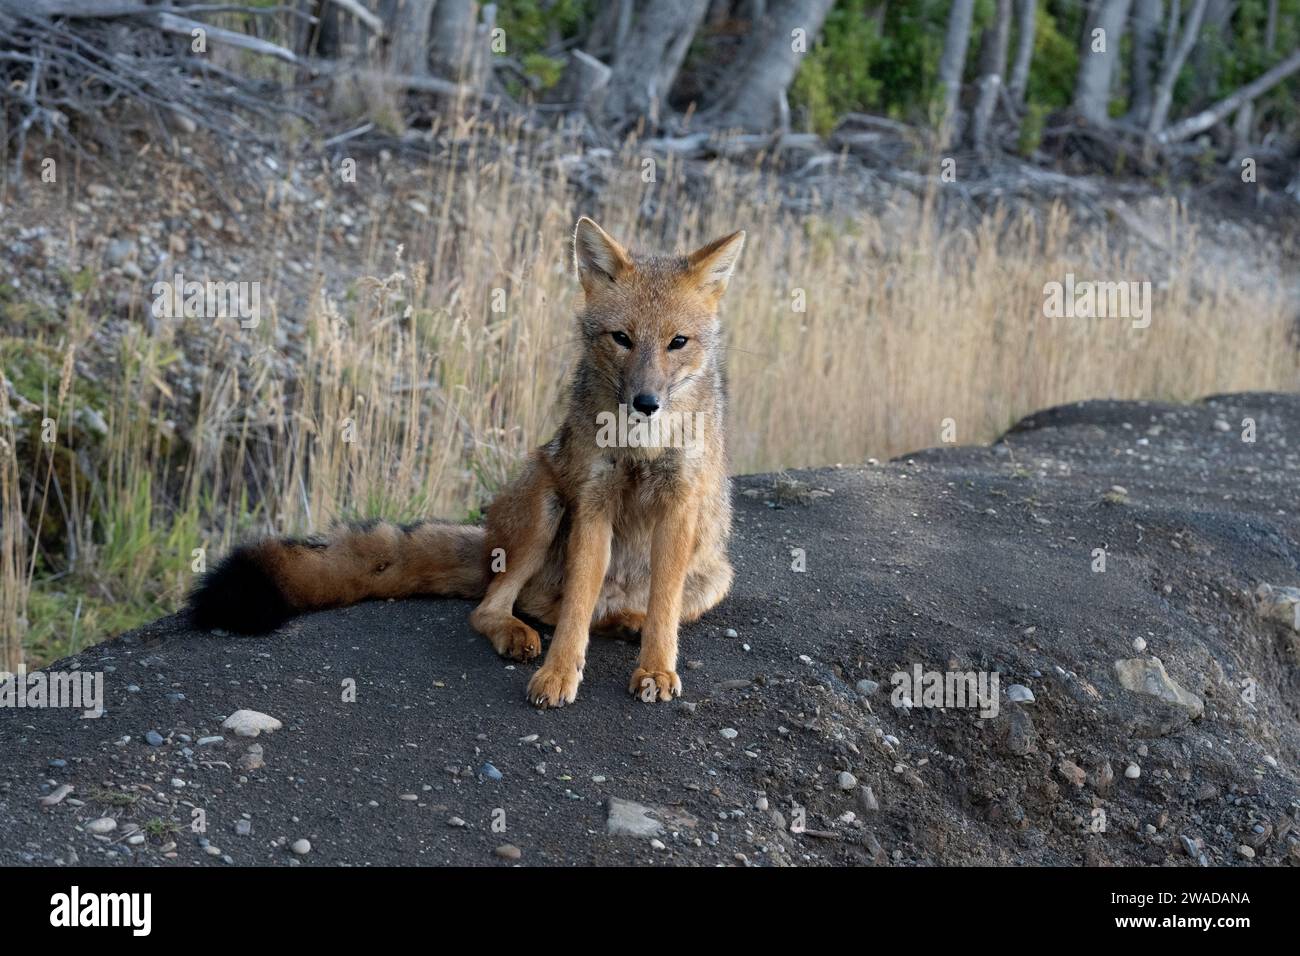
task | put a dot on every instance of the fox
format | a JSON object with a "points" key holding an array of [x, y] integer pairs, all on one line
{"points": [[623, 534]]}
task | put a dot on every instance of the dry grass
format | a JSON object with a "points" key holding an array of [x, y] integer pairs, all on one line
{"points": [[418, 397]]}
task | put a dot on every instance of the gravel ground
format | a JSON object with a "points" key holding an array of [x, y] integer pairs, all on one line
{"points": [[1164, 725]]}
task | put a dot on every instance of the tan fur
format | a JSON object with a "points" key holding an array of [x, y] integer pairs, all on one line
{"points": [[610, 538]]}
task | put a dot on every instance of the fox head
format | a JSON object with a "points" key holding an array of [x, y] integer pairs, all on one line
{"points": [[650, 324]]}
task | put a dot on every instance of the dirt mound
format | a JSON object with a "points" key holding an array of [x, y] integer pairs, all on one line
{"points": [[1102, 559]]}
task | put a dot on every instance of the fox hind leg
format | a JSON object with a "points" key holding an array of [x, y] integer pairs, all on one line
{"points": [[522, 523]]}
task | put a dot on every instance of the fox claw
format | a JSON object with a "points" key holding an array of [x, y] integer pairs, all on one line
{"points": [[554, 686], [654, 685]]}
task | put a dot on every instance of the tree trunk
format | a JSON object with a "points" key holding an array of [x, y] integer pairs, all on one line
{"points": [[648, 56], [408, 23], [1146, 27], [993, 63], [768, 63], [1025, 13], [1097, 66], [1176, 56], [453, 52], [952, 64], [1203, 120]]}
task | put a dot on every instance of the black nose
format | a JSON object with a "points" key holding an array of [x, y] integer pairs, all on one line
{"points": [[646, 404]]}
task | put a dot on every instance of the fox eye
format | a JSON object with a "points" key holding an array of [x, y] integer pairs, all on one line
{"points": [[622, 339], [677, 342]]}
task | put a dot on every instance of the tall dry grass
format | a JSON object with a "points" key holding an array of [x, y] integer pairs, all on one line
{"points": [[419, 393]]}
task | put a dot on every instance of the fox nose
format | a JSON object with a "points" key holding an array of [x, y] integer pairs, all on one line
{"points": [[646, 403]]}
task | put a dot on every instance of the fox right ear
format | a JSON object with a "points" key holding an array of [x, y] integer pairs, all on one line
{"points": [[597, 256]]}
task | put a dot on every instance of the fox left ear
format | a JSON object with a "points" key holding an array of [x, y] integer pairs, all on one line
{"points": [[711, 266]]}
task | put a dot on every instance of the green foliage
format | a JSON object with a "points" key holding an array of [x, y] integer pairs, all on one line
{"points": [[837, 75], [533, 26], [1055, 62]]}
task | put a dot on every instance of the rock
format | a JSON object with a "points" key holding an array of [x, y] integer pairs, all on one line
{"points": [[1020, 694], [135, 839], [1279, 604], [252, 758], [1247, 851], [119, 251], [866, 687], [1072, 772], [301, 847], [657, 845], [730, 733], [1146, 675], [626, 818], [491, 772], [730, 632], [250, 723], [154, 739], [1021, 735], [55, 798], [508, 851], [209, 741], [455, 822], [101, 826], [1132, 771], [1139, 644], [867, 799], [1103, 777], [846, 780], [243, 827]]}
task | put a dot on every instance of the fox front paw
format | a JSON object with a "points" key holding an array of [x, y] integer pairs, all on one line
{"points": [[518, 641], [654, 685], [554, 685]]}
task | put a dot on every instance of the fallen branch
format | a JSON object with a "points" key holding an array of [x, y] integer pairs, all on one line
{"points": [[1185, 129]]}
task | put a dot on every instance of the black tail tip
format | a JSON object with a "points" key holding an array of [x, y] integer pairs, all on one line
{"points": [[238, 595]]}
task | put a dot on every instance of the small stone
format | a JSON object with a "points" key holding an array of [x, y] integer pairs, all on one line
{"points": [[252, 759], [243, 827], [213, 851], [135, 839], [508, 851], [455, 822], [657, 845], [729, 733], [154, 739], [866, 687], [101, 826], [209, 741], [301, 847], [55, 798], [1146, 675], [1139, 644], [730, 632], [491, 772], [846, 780], [1020, 694], [1072, 772], [250, 723], [1247, 851], [1132, 771], [867, 799]]}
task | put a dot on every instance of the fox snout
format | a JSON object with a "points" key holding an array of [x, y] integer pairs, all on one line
{"points": [[647, 403]]}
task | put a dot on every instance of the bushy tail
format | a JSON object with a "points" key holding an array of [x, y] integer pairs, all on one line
{"points": [[259, 586]]}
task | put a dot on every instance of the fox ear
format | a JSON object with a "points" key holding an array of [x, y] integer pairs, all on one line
{"points": [[711, 266], [596, 255]]}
